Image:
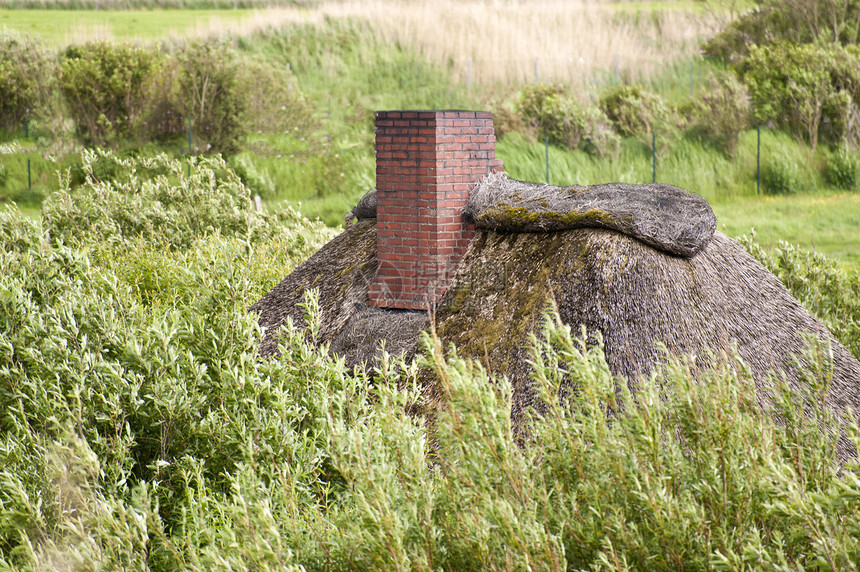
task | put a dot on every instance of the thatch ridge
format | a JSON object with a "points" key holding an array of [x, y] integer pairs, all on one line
{"points": [[665, 217]]}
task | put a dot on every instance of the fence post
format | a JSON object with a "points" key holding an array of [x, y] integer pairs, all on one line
{"points": [[546, 145], [653, 156], [758, 161], [27, 136], [469, 75]]}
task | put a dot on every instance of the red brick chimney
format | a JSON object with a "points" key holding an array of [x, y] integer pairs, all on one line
{"points": [[426, 164]]}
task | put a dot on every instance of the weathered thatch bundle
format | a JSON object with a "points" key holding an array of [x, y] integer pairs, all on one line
{"points": [[610, 282], [662, 216]]}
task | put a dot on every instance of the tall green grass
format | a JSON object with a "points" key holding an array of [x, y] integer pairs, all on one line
{"points": [[347, 75]]}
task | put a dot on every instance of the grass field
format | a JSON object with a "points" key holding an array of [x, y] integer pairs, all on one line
{"points": [[826, 222], [477, 41], [350, 58], [63, 27]]}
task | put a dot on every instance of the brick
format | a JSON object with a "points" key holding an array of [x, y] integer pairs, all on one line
{"points": [[427, 162]]}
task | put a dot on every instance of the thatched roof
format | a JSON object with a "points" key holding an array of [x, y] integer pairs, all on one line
{"points": [[610, 282], [663, 216]]}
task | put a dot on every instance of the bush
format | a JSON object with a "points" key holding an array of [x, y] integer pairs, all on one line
{"points": [[551, 113], [781, 175], [506, 119], [843, 168], [17, 231], [634, 111], [804, 88], [210, 95], [105, 87], [797, 21], [271, 98], [163, 114], [724, 111], [126, 198], [28, 76]]}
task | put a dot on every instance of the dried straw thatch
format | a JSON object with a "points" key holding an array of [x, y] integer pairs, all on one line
{"points": [[663, 216], [341, 271], [610, 282]]}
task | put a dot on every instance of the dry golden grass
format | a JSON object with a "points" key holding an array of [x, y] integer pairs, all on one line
{"points": [[500, 41], [487, 42]]}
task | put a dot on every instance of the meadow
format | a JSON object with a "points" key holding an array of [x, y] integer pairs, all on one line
{"points": [[139, 428], [349, 58]]}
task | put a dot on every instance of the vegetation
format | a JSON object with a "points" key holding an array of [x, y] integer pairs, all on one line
{"points": [[722, 112], [26, 79], [294, 112], [552, 114], [819, 284], [807, 88], [140, 429], [104, 87]]}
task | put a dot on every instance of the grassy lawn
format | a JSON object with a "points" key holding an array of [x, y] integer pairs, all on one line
{"points": [[63, 27], [826, 222]]}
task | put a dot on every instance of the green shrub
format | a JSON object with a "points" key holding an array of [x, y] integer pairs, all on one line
{"points": [[798, 21], [125, 198], [105, 87], [780, 175], [162, 117], [551, 113], [635, 111], [724, 111], [210, 94], [17, 231], [843, 168], [28, 76], [804, 87], [272, 100]]}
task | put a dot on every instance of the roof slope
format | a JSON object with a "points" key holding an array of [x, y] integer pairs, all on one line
{"points": [[341, 272], [636, 297], [634, 294]]}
